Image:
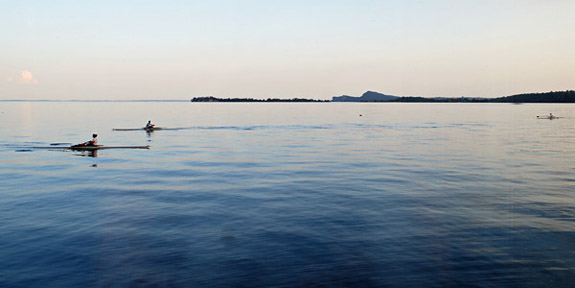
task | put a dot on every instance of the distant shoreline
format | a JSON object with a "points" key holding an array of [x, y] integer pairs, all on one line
{"points": [[561, 97], [567, 96], [375, 97], [235, 100]]}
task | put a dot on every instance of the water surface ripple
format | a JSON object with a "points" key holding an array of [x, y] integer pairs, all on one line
{"points": [[289, 195]]}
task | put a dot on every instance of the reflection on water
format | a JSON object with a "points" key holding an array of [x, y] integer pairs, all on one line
{"points": [[291, 195], [93, 153]]}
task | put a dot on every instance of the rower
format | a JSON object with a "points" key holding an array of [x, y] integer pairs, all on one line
{"points": [[149, 125], [93, 142]]}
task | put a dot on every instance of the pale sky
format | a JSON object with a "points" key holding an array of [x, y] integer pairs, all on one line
{"points": [[284, 49]]}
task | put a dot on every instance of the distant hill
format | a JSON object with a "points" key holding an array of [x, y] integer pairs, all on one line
{"points": [[368, 96], [547, 97]]}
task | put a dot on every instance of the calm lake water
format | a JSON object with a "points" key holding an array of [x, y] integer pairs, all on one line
{"points": [[288, 195]]}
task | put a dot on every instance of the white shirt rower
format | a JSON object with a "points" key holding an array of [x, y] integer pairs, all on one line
{"points": [[94, 140]]}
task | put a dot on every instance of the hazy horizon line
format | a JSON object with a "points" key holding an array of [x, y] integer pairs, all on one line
{"points": [[189, 100]]}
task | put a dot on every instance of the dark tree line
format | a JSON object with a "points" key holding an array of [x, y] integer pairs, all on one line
{"points": [[214, 99], [547, 97]]}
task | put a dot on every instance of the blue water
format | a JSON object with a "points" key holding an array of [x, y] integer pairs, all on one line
{"points": [[288, 195]]}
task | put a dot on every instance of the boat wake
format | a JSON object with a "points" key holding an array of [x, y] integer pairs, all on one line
{"points": [[230, 127]]}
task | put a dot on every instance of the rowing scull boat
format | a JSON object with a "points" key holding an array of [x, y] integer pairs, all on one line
{"points": [[138, 129], [100, 147], [92, 148]]}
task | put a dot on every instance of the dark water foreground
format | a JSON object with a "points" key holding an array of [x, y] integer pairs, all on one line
{"points": [[291, 195]]}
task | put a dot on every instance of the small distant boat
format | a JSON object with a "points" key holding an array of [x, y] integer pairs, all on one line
{"points": [[100, 147], [92, 147], [548, 117], [139, 129]]}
